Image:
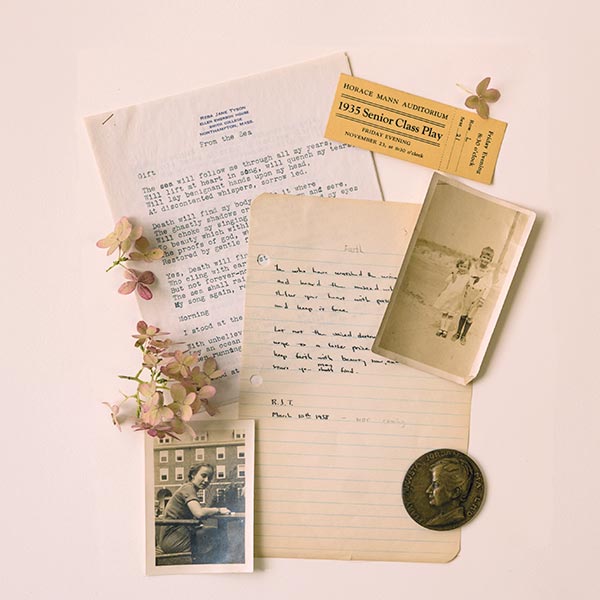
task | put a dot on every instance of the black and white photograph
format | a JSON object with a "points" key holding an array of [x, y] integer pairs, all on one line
{"points": [[459, 265], [199, 499]]}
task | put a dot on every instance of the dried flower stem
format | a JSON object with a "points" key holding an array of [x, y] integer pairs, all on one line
{"points": [[173, 389]]}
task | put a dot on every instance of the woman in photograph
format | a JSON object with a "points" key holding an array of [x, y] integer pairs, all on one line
{"points": [[185, 504], [450, 300]]}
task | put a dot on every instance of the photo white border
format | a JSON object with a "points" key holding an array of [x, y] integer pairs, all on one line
{"points": [[248, 566], [495, 314]]}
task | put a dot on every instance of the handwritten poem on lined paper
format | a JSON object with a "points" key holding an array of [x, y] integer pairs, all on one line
{"points": [[337, 425]]}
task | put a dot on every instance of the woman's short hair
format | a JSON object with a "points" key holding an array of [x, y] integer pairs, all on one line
{"points": [[195, 468], [455, 473]]}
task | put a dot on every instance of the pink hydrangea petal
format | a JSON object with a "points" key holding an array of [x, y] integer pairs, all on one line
{"points": [[131, 274], [147, 278], [186, 413], [122, 228], [165, 413], [210, 364], [210, 409], [208, 391], [127, 287], [155, 254], [144, 292], [105, 242], [142, 244], [136, 232], [177, 392], [112, 247]]}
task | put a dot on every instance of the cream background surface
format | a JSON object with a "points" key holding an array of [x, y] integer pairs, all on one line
{"points": [[73, 487]]}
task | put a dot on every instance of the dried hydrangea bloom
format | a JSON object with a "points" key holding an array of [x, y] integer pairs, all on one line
{"points": [[144, 252], [122, 237], [138, 282]]}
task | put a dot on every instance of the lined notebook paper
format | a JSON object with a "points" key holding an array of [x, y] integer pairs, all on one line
{"points": [[337, 426]]}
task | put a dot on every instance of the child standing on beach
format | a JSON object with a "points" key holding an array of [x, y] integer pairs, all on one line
{"points": [[480, 284], [450, 300]]}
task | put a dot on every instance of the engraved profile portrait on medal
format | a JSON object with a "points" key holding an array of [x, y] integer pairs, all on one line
{"points": [[451, 481]]}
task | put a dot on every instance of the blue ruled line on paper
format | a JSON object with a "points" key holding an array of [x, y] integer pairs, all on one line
{"points": [[362, 539], [360, 551], [353, 456], [354, 468], [337, 514], [258, 498], [357, 527], [385, 387], [368, 434]]}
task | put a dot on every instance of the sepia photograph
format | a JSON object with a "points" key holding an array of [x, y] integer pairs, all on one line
{"points": [[199, 499], [457, 271]]}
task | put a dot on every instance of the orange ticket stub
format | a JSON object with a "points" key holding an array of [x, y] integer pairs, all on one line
{"points": [[435, 135]]}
